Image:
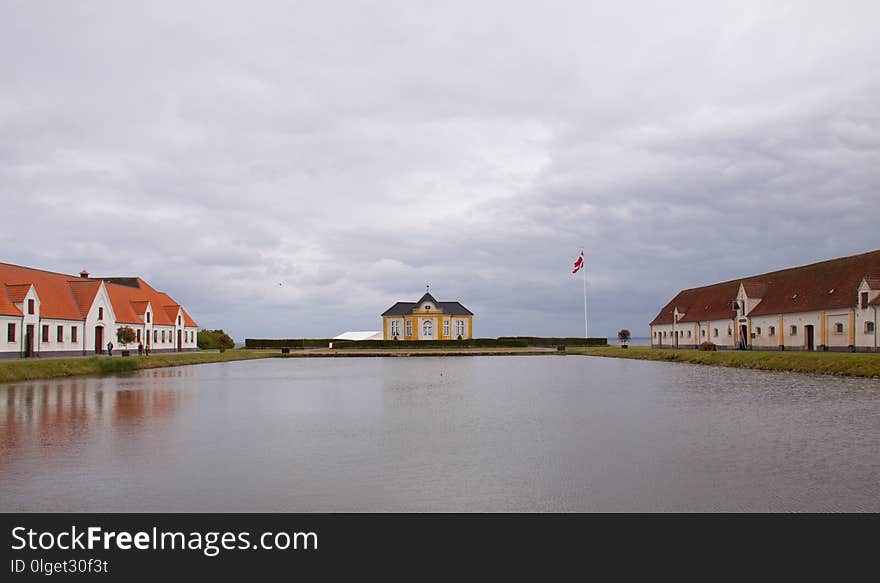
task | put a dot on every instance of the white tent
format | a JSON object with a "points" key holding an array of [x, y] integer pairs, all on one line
{"points": [[366, 335]]}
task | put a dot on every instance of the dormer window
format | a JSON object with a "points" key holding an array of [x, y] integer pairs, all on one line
{"points": [[100, 313], [30, 306], [863, 300]]}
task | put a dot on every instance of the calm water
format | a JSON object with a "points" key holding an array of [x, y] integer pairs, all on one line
{"points": [[544, 433]]}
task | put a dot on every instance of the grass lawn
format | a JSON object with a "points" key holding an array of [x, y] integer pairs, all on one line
{"points": [[834, 363], [50, 368]]}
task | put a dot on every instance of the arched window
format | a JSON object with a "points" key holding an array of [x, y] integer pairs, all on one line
{"points": [[428, 328]]}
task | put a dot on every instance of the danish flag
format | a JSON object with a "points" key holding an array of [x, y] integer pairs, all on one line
{"points": [[579, 264]]}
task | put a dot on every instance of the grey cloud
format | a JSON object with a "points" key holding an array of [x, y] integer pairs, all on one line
{"points": [[354, 152]]}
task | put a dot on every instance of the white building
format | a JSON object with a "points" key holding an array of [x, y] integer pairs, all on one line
{"points": [[831, 305], [360, 335], [46, 313]]}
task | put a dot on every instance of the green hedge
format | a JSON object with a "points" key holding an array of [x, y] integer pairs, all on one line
{"points": [[503, 342], [549, 341], [287, 342], [473, 343]]}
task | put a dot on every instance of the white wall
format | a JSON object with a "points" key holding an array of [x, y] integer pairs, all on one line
{"points": [[67, 344], [14, 346], [102, 300]]}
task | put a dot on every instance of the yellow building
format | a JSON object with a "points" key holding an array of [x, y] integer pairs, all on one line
{"points": [[427, 319]]}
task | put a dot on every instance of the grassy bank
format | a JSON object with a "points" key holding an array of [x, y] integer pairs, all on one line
{"points": [[50, 368], [833, 363]]}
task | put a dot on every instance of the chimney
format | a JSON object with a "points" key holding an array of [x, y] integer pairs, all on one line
{"points": [[84, 274]]}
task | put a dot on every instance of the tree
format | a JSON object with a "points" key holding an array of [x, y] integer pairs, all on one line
{"points": [[215, 339], [125, 336], [623, 336]]}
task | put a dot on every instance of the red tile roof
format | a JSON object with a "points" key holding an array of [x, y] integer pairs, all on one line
{"points": [[56, 299], [7, 308], [84, 292], [17, 292], [819, 286], [68, 297]]}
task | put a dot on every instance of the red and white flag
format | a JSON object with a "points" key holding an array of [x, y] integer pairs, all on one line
{"points": [[579, 264]]}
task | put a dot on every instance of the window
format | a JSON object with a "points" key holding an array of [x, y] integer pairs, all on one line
{"points": [[838, 328], [664, 334], [73, 333], [100, 313], [148, 317], [703, 333], [863, 300], [758, 330], [163, 335], [139, 335], [178, 320], [715, 332], [446, 327], [59, 333], [395, 327], [794, 330], [10, 333], [155, 336], [869, 327], [459, 328], [409, 327], [30, 306], [729, 331], [45, 333], [772, 331], [428, 328], [689, 333]]}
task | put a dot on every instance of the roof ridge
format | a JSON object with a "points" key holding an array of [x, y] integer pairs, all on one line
{"points": [[783, 270], [44, 270]]}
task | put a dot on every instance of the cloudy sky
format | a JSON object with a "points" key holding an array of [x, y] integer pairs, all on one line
{"points": [[294, 168]]}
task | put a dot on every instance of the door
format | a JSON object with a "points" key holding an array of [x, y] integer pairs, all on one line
{"points": [[676, 338], [99, 340], [29, 341], [428, 330], [743, 336], [808, 337], [179, 341]]}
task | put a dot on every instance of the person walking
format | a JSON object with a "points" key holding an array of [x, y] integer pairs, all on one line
{"points": [[110, 349], [140, 348]]}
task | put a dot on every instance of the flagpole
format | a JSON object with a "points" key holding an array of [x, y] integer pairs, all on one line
{"points": [[586, 331]]}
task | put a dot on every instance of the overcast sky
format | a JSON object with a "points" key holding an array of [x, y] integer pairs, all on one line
{"points": [[294, 168]]}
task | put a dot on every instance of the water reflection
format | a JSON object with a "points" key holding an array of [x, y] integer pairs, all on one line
{"points": [[59, 414], [546, 433]]}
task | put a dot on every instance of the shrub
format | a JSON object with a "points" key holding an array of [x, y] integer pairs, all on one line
{"points": [[214, 339], [708, 346], [125, 335], [551, 341]]}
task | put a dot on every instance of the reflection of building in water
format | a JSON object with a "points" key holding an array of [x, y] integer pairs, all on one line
{"points": [[52, 313], [54, 414]]}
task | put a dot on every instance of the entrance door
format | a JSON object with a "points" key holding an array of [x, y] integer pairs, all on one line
{"points": [[179, 341], [29, 341], [743, 336], [99, 340], [675, 338], [808, 337]]}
